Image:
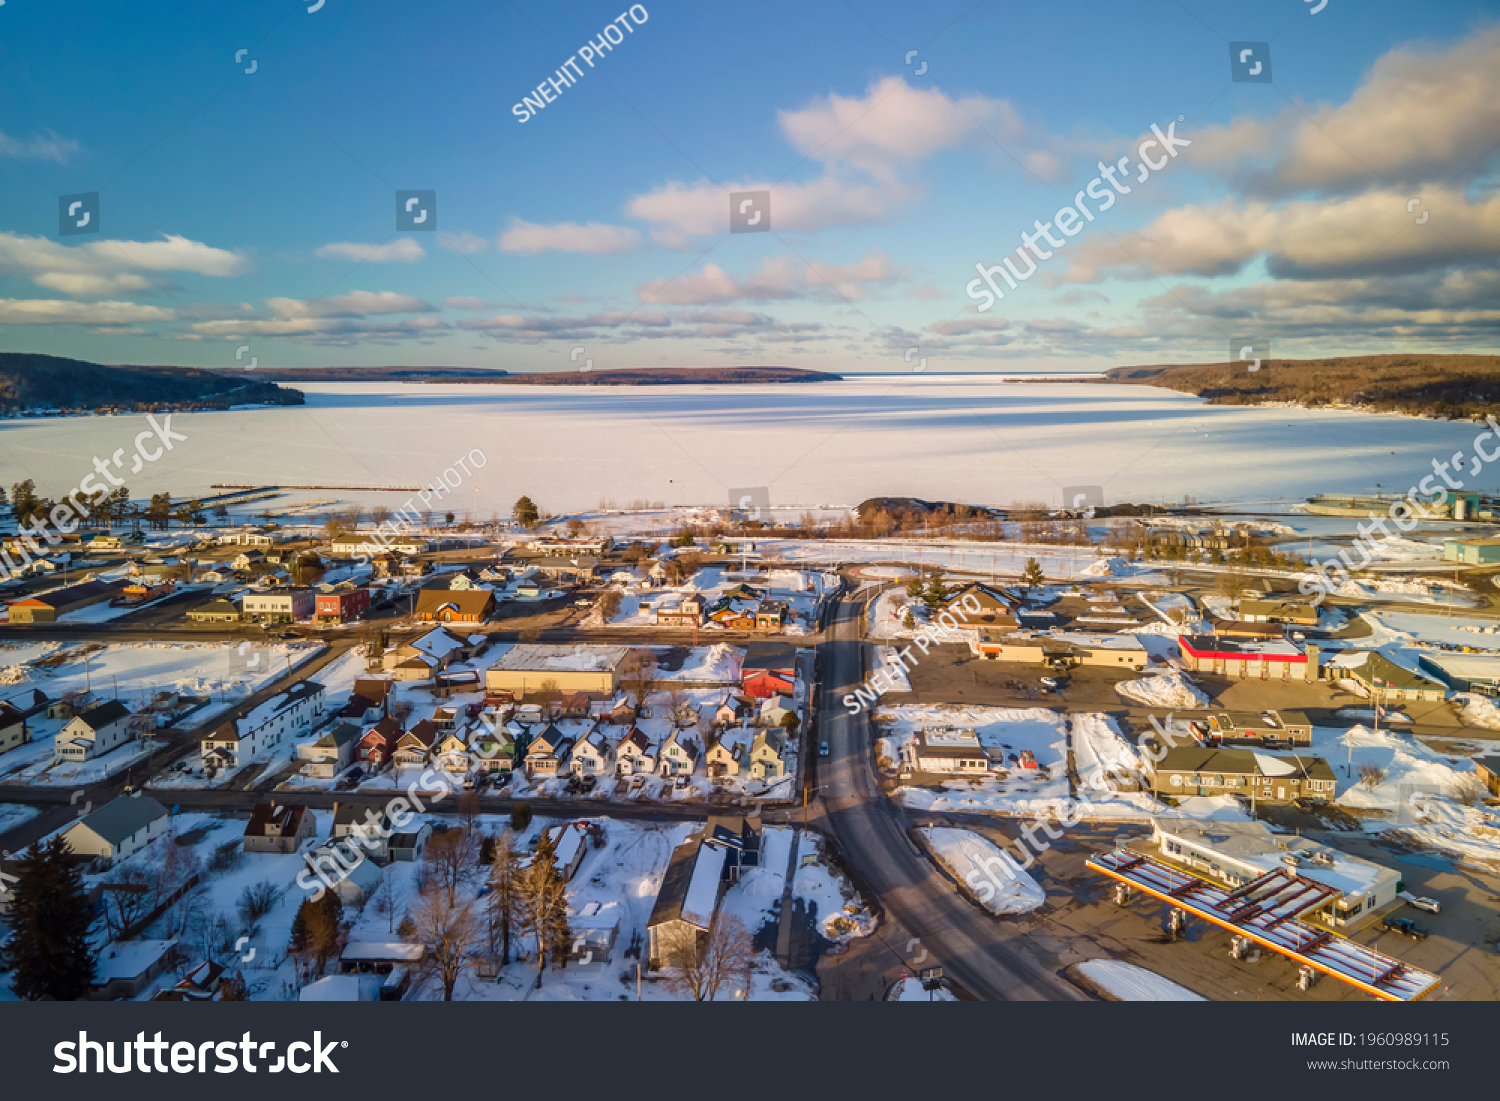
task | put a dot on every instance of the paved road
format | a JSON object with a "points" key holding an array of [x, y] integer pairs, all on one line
{"points": [[928, 922]]}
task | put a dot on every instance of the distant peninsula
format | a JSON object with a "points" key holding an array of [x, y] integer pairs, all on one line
{"points": [[670, 376], [1414, 384], [32, 384]]}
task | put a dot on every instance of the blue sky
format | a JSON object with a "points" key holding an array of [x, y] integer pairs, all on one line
{"points": [[259, 209]]}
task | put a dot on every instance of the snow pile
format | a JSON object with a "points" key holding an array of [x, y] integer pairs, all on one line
{"points": [[1125, 982], [1171, 690], [999, 884], [1479, 711], [1107, 567], [895, 672], [841, 914], [14, 674]]}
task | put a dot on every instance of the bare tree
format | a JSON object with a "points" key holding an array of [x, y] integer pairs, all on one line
{"points": [[706, 963], [504, 899], [639, 675], [1233, 582], [549, 696], [379, 515], [129, 896], [451, 860], [1371, 776], [448, 931], [678, 701]]}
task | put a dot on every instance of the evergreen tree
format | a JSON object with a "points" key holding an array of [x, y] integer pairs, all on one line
{"points": [[505, 893], [914, 587], [1031, 576], [525, 512], [49, 950], [544, 905], [933, 598]]}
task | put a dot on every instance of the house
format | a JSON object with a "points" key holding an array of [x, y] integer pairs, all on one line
{"points": [[263, 536], [1379, 676], [341, 606], [94, 733], [1270, 728], [278, 828], [248, 559], [380, 957], [734, 711], [119, 828], [547, 751], [355, 544], [1256, 659], [366, 827], [33, 701], [573, 571], [946, 749], [686, 611], [699, 872], [492, 748], [634, 755], [1183, 771], [526, 667], [1489, 773], [369, 702], [768, 671], [452, 751], [285, 715], [342, 988], [377, 744], [219, 610], [678, 756], [349, 871], [407, 846], [125, 968], [569, 847], [414, 748], [770, 615], [13, 733], [725, 754], [774, 711], [767, 755], [1278, 611], [291, 605], [455, 606], [1237, 854], [50, 606], [590, 755], [997, 607], [440, 646], [330, 754]]}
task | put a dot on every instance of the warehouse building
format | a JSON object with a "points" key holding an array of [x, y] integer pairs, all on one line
{"points": [[1068, 650], [1257, 659], [50, 606], [1472, 552]]}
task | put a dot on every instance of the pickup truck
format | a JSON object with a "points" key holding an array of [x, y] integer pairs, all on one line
{"points": [[1406, 927]]}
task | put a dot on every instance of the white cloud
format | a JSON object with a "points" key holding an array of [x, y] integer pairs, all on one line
{"points": [[594, 239], [50, 148], [463, 243], [53, 311], [1363, 234], [112, 266], [89, 283], [353, 304], [849, 280], [402, 250], [775, 280], [1423, 114]]}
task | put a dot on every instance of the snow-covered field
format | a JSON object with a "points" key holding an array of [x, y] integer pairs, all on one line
{"points": [[995, 880], [1125, 982]]}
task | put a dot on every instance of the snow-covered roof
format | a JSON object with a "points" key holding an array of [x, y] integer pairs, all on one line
{"points": [[702, 897]]}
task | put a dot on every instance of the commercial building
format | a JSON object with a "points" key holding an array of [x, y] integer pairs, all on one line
{"points": [[280, 605], [455, 605], [1462, 672], [1188, 770], [372, 543], [1377, 674], [219, 610], [1069, 649], [1260, 659], [48, 607], [1267, 728], [1278, 611], [947, 749], [527, 667], [1472, 552], [341, 606]]}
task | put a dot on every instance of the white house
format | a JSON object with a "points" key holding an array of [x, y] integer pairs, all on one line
{"points": [[372, 543], [118, 828], [93, 733], [286, 715]]}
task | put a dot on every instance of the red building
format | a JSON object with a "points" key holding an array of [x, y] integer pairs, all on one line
{"points": [[342, 606], [768, 673]]}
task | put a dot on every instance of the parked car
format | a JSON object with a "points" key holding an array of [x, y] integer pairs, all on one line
{"points": [[1051, 682], [1406, 927], [1421, 902]]}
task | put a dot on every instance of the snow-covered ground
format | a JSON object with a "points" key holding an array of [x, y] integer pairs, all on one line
{"points": [[1174, 690], [13, 815], [1127, 983], [995, 880]]}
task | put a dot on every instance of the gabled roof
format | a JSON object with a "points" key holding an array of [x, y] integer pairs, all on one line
{"points": [[96, 718], [285, 817], [123, 818], [339, 736], [423, 733]]}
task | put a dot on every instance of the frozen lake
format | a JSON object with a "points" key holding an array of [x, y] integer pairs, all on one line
{"points": [[957, 437]]}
